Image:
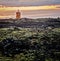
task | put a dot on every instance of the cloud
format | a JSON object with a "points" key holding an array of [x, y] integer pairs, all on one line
{"points": [[58, 6], [30, 11], [47, 7], [29, 8], [28, 2]]}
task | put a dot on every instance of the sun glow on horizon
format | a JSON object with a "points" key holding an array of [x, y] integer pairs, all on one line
{"points": [[47, 7], [6, 11]]}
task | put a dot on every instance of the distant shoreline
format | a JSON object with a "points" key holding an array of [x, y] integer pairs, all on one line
{"points": [[33, 18], [31, 23]]}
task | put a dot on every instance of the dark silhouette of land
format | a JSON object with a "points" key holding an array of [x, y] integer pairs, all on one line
{"points": [[31, 23]]}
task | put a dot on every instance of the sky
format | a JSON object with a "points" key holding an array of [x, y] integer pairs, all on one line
{"points": [[30, 8]]}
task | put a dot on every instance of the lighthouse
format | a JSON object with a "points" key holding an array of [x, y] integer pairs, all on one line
{"points": [[18, 14]]}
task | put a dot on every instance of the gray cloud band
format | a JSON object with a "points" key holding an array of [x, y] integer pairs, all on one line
{"points": [[28, 2]]}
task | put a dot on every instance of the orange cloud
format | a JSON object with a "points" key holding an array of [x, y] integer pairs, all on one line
{"points": [[47, 7]]}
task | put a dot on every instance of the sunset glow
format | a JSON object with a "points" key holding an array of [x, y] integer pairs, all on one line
{"points": [[4, 8], [29, 11], [30, 8]]}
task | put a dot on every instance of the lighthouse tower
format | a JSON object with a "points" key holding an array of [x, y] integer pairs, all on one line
{"points": [[18, 15]]}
